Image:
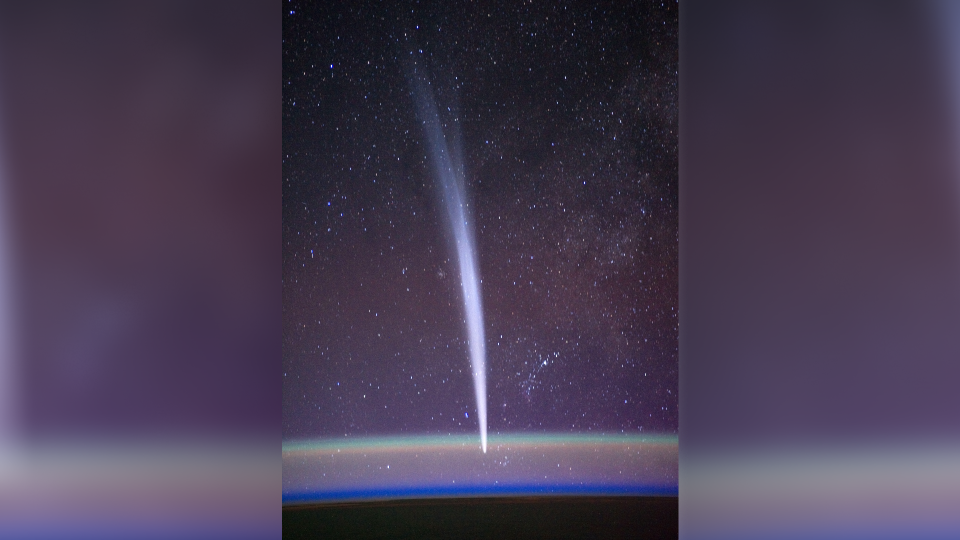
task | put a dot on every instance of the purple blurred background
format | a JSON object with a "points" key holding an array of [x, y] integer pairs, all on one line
{"points": [[820, 269], [139, 266]]}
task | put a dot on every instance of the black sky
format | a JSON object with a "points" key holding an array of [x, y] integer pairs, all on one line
{"points": [[567, 118]]}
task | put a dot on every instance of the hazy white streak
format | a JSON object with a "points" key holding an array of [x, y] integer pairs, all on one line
{"points": [[449, 172]]}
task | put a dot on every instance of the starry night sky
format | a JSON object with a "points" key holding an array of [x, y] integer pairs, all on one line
{"points": [[567, 120]]}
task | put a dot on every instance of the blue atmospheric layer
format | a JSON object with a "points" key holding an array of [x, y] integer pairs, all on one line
{"points": [[474, 490]]}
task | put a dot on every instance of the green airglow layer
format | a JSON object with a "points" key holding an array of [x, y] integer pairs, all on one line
{"points": [[469, 441]]}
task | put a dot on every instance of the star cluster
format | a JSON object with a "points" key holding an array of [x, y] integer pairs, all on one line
{"points": [[566, 116]]}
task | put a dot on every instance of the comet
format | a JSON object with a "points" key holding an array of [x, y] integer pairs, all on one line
{"points": [[449, 171]]}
